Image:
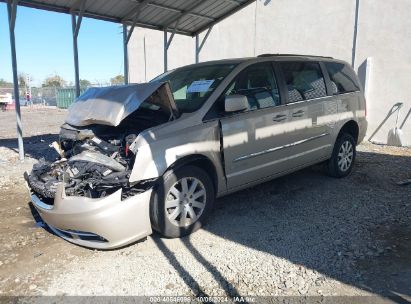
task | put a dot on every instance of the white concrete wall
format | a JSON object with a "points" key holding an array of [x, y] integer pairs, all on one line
{"points": [[313, 27], [228, 39], [384, 32], [316, 27]]}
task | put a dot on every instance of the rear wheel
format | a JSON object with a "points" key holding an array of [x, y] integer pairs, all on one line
{"points": [[182, 201], [342, 160]]}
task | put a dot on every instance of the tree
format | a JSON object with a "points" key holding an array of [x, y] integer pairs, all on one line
{"points": [[54, 81], [84, 83], [119, 79], [5, 83], [22, 80]]}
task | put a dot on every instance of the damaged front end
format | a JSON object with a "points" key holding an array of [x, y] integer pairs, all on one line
{"points": [[85, 196], [89, 167]]}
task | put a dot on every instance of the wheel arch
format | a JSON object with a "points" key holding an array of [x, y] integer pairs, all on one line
{"points": [[198, 160], [351, 127], [201, 161]]}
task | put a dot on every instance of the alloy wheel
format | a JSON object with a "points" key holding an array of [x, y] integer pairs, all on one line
{"points": [[185, 201], [345, 156]]}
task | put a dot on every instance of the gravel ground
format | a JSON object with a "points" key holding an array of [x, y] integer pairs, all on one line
{"points": [[40, 128], [302, 234]]}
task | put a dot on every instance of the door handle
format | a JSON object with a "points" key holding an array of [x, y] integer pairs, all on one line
{"points": [[298, 113], [279, 117]]}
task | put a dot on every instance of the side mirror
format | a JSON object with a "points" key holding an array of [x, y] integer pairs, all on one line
{"points": [[235, 103]]}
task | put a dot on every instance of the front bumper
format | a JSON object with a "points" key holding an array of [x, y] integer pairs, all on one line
{"points": [[101, 223]]}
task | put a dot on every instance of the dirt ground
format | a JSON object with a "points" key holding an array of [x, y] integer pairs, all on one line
{"points": [[303, 234]]}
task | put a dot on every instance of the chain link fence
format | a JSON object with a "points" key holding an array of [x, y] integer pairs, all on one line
{"points": [[61, 97]]}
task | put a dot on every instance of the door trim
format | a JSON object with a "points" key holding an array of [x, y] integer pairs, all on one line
{"points": [[248, 156], [278, 161]]}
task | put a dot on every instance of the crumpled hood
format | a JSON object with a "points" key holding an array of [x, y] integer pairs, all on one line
{"points": [[110, 105]]}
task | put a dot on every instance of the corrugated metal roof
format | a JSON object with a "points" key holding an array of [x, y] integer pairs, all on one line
{"points": [[187, 17]]}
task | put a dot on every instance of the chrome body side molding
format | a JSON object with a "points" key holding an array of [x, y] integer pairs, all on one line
{"points": [[279, 148]]}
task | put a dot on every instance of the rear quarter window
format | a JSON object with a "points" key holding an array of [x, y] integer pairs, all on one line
{"points": [[343, 79]]}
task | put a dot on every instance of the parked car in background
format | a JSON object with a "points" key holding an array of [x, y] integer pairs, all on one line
{"points": [[155, 156]]}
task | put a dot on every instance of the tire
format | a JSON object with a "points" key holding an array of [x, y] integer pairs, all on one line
{"points": [[343, 157], [171, 212]]}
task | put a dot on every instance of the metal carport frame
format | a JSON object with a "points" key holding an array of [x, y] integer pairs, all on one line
{"points": [[189, 18], [12, 12]]}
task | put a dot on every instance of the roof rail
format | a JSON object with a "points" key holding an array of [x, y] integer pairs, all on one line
{"points": [[296, 55]]}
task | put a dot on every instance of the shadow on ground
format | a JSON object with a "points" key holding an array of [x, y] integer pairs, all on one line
{"points": [[356, 230], [34, 146]]}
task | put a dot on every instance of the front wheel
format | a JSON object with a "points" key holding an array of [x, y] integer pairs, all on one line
{"points": [[342, 160], [182, 201]]}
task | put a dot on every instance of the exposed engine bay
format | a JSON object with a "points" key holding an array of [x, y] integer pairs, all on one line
{"points": [[96, 160]]}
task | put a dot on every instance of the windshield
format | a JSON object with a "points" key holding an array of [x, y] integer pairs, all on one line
{"points": [[192, 86]]}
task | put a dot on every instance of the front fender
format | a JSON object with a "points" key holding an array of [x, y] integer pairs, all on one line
{"points": [[155, 155]]}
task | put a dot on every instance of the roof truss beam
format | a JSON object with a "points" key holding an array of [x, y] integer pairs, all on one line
{"points": [[76, 6], [182, 14], [219, 19], [132, 9], [77, 22], [137, 12], [172, 35], [232, 2], [172, 9], [199, 45], [12, 13], [204, 39]]}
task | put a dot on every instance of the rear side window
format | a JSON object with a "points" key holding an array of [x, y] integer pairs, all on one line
{"points": [[342, 77], [304, 80]]}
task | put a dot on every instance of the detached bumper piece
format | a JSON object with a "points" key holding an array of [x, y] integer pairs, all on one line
{"points": [[101, 223]]}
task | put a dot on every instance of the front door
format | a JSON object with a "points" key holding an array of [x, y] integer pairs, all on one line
{"points": [[253, 139]]}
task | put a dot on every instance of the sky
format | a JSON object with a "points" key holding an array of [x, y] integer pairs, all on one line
{"points": [[45, 47]]}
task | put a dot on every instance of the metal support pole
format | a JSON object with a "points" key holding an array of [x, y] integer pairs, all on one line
{"points": [[199, 46], [125, 49], [167, 42], [75, 25], [197, 49], [354, 43], [165, 51], [12, 12], [127, 34], [75, 51], [145, 59]]}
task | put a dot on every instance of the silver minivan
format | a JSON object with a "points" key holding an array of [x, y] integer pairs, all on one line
{"points": [[156, 156]]}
